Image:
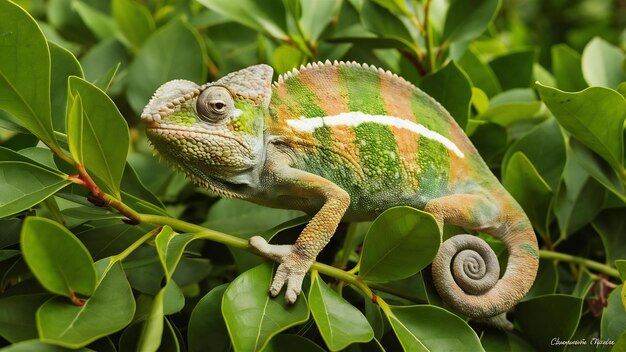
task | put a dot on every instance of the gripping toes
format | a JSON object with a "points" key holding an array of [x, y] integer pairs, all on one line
{"points": [[291, 270]]}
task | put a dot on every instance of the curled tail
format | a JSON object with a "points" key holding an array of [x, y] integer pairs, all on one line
{"points": [[466, 271]]}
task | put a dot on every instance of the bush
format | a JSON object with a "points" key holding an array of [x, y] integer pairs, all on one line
{"points": [[100, 247]]}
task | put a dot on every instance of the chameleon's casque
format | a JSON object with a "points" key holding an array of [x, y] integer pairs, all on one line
{"points": [[347, 141]]}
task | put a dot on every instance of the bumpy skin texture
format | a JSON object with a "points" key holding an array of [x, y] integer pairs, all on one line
{"points": [[347, 141]]}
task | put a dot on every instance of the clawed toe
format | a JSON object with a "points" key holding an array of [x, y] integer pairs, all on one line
{"points": [[291, 270], [276, 252]]}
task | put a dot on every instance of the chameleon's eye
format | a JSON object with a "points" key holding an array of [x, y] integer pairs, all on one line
{"points": [[215, 104]]}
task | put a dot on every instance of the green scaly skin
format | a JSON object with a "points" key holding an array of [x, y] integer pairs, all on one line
{"points": [[343, 141]]}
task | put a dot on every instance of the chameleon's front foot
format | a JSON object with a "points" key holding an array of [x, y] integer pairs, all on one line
{"points": [[292, 268]]}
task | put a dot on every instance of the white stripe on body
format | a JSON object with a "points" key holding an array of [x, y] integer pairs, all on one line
{"points": [[355, 118]]}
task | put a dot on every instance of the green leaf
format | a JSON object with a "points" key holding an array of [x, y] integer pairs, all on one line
{"points": [[152, 329], [98, 137], [170, 246], [40, 156], [98, 22], [401, 242], [290, 343], [440, 86], [10, 232], [548, 317], [74, 128], [25, 72], [599, 169], [521, 76], [38, 346], [169, 340], [545, 147], [191, 271], [17, 316], [286, 57], [175, 51], [207, 330], [546, 281], [134, 21], [602, 64], [584, 283], [101, 57], [430, 328], [104, 82], [57, 258], [109, 309], [621, 267], [530, 190], [379, 20], [498, 341], [395, 6], [23, 185], [144, 270], [338, 321], [266, 16], [374, 316], [620, 344], [173, 298], [511, 106], [244, 219], [479, 73], [579, 199], [63, 65], [611, 226], [595, 116], [252, 317], [490, 140], [566, 65], [316, 15], [136, 195], [613, 323], [107, 240], [467, 19]]}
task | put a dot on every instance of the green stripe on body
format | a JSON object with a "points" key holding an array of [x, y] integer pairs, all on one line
{"points": [[379, 154], [303, 96], [330, 165], [378, 151], [428, 114], [434, 168], [362, 87]]}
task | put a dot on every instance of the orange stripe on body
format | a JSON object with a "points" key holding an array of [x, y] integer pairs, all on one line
{"points": [[459, 167], [324, 83], [407, 143], [397, 99], [343, 143]]}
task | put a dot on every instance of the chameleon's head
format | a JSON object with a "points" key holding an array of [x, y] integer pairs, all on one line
{"points": [[213, 129]]}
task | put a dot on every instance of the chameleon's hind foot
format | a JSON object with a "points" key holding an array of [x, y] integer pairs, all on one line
{"points": [[291, 270]]}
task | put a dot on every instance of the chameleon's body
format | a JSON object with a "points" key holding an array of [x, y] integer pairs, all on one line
{"points": [[345, 141]]}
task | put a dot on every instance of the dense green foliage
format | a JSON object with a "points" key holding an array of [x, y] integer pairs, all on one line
{"points": [[99, 243]]}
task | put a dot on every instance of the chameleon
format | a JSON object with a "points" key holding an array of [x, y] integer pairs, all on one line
{"points": [[346, 141]]}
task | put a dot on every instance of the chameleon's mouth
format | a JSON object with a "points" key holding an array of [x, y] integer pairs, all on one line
{"points": [[181, 132]]}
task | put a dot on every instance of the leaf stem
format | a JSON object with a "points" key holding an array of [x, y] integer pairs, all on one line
{"points": [[568, 258], [236, 242], [121, 256], [201, 232], [428, 37], [53, 207], [344, 254]]}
